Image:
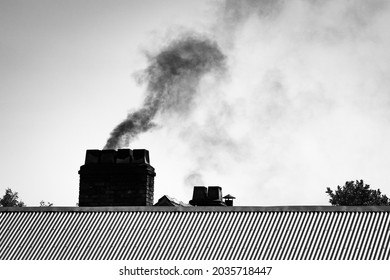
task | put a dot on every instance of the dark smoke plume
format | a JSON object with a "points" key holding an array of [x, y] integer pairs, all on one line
{"points": [[172, 77]]}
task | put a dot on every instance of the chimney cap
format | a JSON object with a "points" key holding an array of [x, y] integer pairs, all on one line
{"points": [[229, 196]]}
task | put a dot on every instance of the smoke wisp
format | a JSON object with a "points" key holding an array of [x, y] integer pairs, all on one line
{"points": [[172, 78], [306, 106], [309, 86]]}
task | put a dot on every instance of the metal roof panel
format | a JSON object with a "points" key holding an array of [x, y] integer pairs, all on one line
{"points": [[140, 233]]}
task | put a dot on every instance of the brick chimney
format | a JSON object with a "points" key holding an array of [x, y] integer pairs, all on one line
{"points": [[116, 178]]}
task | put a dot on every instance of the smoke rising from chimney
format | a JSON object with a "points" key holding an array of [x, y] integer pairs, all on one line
{"points": [[172, 78], [306, 105], [307, 92]]}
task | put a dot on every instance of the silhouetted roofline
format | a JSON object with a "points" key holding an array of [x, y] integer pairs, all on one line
{"points": [[295, 208]]}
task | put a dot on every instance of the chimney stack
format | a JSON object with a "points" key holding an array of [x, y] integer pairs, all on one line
{"points": [[116, 178]]}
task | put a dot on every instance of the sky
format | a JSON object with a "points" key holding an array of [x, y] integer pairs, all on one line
{"points": [[302, 104]]}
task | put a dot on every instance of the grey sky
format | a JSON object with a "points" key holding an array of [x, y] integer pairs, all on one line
{"points": [[304, 105]]}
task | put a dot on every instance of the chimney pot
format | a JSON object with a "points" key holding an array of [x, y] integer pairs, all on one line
{"points": [[211, 196], [108, 156], [124, 156], [92, 156], [141, 156], [215, 193], [199, 196]]}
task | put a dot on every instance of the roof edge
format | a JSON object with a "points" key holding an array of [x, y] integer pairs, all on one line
{"points": [[301, 208]]}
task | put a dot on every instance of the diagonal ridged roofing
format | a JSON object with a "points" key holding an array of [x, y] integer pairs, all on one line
{"points": [[195, 233]]}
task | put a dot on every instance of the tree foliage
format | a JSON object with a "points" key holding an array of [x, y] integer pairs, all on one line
{"points": [[44, 204], [11, 199], [356, 194]]}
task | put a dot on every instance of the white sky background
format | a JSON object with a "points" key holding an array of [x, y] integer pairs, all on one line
{"points": [[304, 106]]}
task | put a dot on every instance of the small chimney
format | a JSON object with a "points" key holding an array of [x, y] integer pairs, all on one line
{"points": [[211, 196], [229, 200], [215, 194], [199, 196], [116, 178]]}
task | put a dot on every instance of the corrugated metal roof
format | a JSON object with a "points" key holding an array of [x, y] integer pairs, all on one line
{"points": [[195, 233]]}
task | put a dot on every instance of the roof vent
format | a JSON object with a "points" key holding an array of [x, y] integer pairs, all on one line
{"points": [[229, 200]]}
